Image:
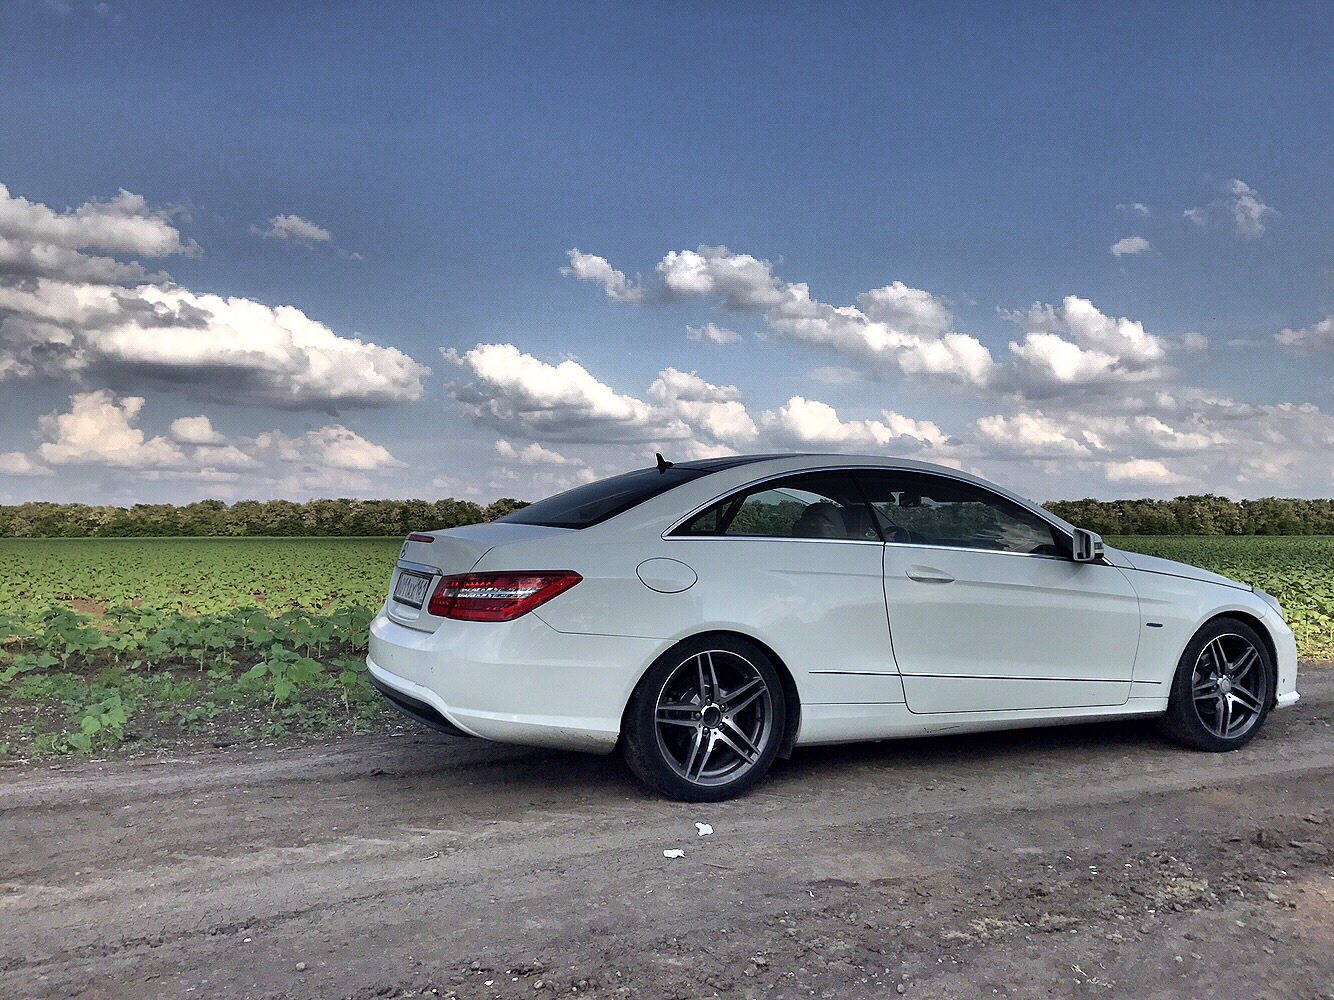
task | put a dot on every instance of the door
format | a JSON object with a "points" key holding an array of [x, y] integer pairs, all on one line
{"points": [[986, 612]]}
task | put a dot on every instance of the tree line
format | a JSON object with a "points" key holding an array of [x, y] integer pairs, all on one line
{"points": [[1204, 514], [1187, 515], [246, 518]]}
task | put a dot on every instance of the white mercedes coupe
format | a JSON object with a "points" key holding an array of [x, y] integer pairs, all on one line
{"points": [[707, 617]]}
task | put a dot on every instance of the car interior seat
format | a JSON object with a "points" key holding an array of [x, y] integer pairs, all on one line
{"points": [[821, 520]]}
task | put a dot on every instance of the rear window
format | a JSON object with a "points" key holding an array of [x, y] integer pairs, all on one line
{"points": [[588, 505]]}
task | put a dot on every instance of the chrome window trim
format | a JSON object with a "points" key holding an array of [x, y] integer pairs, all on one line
{"points": [[1038, 512], [768, 538], [969, 548]]}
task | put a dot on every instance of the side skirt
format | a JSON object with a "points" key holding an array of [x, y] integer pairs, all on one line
{"points": [[850, 723]]}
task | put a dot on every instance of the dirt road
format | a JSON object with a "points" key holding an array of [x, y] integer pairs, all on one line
{"points": [[1084, 861]]}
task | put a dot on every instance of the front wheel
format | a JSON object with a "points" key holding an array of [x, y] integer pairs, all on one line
{"points": [[1223, 688], [706, 721]]}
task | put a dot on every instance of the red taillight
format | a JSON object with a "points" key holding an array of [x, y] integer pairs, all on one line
{"points": [[415, 537], [497, 597]]}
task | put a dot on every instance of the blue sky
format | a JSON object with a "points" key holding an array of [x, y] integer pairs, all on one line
{"points": [[977, 160]]}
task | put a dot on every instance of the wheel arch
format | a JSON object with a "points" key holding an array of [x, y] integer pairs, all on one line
{"points": [[1257, 624], [791, 696]]}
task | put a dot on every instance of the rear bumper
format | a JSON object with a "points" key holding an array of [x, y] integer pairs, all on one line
{"points": [[513, 682], [417, 709]]}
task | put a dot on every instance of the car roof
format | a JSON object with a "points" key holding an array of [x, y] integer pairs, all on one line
{"points": [[788, 462], [815, 459]]}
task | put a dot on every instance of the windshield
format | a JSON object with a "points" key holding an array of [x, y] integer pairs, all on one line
{"points": [[588, 505]]}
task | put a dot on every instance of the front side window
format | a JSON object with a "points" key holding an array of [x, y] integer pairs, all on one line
{"points": [[923, 509], [808, 505]]}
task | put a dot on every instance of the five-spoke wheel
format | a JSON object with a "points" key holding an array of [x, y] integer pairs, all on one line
{"points": [[714, 715], [1223, 687], [707, 720], [1229, 685]]}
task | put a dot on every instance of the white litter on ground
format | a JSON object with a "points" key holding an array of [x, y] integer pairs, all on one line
{"points": [[674, 853], [704, 829]]}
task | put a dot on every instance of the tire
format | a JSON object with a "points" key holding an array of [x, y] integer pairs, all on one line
{"points": [[706, 721], [1222, 690]]}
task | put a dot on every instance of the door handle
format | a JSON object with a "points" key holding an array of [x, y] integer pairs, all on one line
{"points": [[928, 574]]}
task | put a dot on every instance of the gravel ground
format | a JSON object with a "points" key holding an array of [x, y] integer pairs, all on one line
{"points": [[1080, 861]]}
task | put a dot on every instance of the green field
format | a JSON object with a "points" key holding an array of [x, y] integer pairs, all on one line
{"points": [[155, 641], [149, 641], [195, 575]]}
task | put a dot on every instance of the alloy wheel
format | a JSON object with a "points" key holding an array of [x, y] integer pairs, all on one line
{"points": [[714, 717], [1229, 685]]}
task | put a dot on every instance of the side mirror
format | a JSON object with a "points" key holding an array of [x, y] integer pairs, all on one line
{"points": [[1087, 546]]}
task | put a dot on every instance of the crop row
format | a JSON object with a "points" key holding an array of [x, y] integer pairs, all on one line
{"points": [[245, 649]]}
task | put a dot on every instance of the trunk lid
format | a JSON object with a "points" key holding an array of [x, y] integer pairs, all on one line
{"points": [[449, 552]]}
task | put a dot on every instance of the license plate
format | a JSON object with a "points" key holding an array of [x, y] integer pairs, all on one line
{"points": [[411, 588]]}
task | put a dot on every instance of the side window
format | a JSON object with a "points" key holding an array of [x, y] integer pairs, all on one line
{"points": [[919, 508], [809, 505]]}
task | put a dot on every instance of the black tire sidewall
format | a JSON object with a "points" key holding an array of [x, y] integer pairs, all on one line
{"points": [[641, 748], [1183, 721]]}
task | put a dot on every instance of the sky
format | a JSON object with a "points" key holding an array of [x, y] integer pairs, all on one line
{"points": [[251, 251]]}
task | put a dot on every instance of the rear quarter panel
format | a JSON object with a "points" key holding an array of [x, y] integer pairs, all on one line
{"points": [[818, 605]]}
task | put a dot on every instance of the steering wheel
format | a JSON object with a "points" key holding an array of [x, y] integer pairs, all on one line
{"points": [[895, 532]]}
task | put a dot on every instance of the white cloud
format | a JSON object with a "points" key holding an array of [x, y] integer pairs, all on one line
{"points": [[520, 395], [195, 430], [1207, 441], [834, 375], [1142, 470], [100, 429], [532, 454], [1241, 207], [517, 393], [457, 486], [1193, 341], [910, 310], [23, 259], [228, 455], [1131, 245], [739, 280], [588, 267], [892, 328], [70, 315], [895, 327], [1075, 344], [714, 411], [124, 224], [303, 232], [330, 447], [1317, 336], [15, 463], [1055, 360], [1201, 438], [225, 349], [1134, 207], [1032, 435], [810, 422], [293, 228], [712, 333]]}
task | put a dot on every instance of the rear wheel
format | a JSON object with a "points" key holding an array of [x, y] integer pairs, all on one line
{"points": [[1223, 688], [706, 721]]}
